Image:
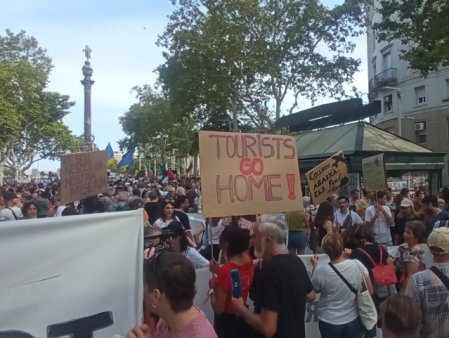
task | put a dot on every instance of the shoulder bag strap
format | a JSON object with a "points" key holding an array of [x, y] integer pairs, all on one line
{"points": [[440, 275], [380, 249], [368, 255], [342, 278], [14, 214]]}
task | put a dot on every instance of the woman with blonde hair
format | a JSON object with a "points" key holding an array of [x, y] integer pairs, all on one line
{"points": [[337, 307]]}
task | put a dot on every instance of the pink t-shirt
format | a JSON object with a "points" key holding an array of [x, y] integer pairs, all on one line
{"points": [[199, 327]]}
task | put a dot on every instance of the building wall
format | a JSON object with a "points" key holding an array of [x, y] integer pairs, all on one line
{"points": [[421, 104]]}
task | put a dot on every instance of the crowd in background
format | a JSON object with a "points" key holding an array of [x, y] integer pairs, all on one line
{"points": [[354, 231]]}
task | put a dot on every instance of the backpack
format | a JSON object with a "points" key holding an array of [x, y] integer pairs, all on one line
{"points": [[383, 274]]}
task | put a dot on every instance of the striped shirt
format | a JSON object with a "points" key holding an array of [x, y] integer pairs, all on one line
{"points": [[432, 296]]}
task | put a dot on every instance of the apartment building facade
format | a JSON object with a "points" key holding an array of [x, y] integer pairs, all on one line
{"points": [[413, 107]]}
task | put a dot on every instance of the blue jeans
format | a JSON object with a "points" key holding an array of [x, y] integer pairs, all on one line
{"points": [[297, 240], [352, 329]]}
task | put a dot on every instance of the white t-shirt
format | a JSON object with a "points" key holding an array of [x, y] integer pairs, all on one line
{"points": [[162, 223], [8, 215], [340, 218], [337, 303], [216, 233], [381, 229], [59, 211], [196, 258]]}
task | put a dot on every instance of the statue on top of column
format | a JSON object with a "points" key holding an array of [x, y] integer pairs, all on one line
{"points": [[87, 52]]}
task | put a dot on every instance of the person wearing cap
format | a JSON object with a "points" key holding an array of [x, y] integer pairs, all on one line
{"points": [[360, 208], [180, 242], [428, 287], [405, 214]]}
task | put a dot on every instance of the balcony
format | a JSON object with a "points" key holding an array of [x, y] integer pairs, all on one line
{"points": [[385, 78]]}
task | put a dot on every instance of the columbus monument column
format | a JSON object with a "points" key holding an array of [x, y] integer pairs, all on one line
{"points": [[87, 83]]}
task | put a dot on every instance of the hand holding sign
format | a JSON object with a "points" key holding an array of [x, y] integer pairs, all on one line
{"points": [[141, 331]]}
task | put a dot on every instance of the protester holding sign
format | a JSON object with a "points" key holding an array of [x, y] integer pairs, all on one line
{"points": [[344, 217], [280, 287], [169, 291], [379, 218]]}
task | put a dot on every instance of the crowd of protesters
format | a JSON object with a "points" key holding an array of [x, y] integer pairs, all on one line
{"points": [[355, 232]]}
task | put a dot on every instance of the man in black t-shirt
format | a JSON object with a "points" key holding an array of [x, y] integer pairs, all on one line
{"points": [[152, 207], [181, 205], [280, 288]]}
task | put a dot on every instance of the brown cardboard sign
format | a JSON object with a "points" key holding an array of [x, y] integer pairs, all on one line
{"points": [[83, 175], [374, 177], [244, 174], [327, 178]]}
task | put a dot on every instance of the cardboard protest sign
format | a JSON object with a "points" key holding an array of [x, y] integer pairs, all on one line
{"points": [[374, 177], [83, 175], [244, 174], [327, 178], [84, 274]]}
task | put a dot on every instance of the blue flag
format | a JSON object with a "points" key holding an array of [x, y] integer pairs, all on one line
{"points": [[109, 151], [127, 159]]}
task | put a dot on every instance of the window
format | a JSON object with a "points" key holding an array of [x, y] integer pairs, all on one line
{"points": [[388, 103], [420, 95], [386, 60], [421, 137]]}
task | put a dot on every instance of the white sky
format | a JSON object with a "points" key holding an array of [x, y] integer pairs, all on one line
{"points": [[122, 37]]}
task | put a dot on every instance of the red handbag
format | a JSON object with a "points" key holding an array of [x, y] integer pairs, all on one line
{"points": [[383, 274]]}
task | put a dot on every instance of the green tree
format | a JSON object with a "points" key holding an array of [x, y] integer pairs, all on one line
{"points": [[32, 116], [152, 127], [246, 57], [423, 28]]}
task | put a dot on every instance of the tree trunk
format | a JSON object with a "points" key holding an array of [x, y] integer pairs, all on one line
{"points": [[195, 165], [2, 171]]}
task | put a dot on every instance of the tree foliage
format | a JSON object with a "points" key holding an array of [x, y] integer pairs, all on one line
{"points": [[249, 57], [422, 26], [155, 129], [31, 117]]}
